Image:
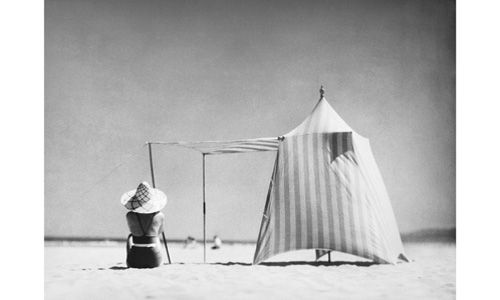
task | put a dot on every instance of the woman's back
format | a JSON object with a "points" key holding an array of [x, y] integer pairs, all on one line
{"points": [[145, 224]]}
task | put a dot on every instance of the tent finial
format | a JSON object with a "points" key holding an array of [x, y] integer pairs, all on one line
{"points": [[321, 92]]}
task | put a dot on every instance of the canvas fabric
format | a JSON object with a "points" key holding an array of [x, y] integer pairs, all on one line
{"points": [[229, 147], [326, 192]]}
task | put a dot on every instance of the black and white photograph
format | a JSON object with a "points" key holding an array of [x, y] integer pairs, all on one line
{"points": [[230, 149], [250, 149]]}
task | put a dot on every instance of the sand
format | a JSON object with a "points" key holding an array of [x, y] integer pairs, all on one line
{"points": [[98, 271]]}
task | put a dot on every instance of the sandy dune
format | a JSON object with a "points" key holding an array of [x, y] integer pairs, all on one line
{"points": [[97, 271]]}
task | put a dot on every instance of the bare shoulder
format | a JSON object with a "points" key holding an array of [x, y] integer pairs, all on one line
{"points": [[130, 215], [160, 216]]}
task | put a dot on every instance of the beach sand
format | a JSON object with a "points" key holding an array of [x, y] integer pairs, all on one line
{"points": [[98, 271]]}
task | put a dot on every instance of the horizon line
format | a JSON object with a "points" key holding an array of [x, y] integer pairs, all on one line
{"points": [[431, 234]]}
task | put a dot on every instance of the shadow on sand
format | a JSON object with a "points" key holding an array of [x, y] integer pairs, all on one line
{"points": [[277, 264], [118, 268], [302, 263]]}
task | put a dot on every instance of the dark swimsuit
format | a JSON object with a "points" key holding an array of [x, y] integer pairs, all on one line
{"points": [[143, 257]]}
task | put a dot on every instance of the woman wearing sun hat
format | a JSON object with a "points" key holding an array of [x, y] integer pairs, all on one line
{"points": [[145, 222]]}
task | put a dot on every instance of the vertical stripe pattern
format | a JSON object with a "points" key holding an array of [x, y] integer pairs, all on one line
{"points": [[322, 198]]}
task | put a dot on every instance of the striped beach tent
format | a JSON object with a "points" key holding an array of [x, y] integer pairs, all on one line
{"points": [[326, 193]]}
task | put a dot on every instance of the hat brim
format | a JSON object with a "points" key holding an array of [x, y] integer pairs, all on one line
{"points": [[156, 203]]}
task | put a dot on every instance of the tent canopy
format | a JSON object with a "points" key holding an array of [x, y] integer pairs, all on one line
{"points": [[228, 147], [323, 118], [326, 192]]}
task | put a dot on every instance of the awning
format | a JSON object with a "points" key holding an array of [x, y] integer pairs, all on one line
{"points": [[228, 147]]}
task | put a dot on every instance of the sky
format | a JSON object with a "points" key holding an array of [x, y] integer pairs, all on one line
{"points": [[120, 73]]}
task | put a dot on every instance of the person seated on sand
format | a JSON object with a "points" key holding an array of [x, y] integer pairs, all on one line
{"points": [[217, 243], [145, 222], [190, 242]]}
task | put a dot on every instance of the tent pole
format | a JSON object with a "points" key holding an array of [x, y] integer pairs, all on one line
{"points": [[154, 186], [151, 165], [204, 217]]}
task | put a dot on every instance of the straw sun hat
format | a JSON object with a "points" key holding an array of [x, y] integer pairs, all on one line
{"points": [[144, 199]]}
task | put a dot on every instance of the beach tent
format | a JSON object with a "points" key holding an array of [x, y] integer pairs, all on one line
{"points": [[326, 192]]}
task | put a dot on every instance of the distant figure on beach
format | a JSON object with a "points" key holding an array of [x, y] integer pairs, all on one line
{"points": [[190, 242], [145, 222], [217, 243]]}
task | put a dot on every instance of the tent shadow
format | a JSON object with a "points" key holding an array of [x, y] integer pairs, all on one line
{"points": [[118, 268], [303, 263]]}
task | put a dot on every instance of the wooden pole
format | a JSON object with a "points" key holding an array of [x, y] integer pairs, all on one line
{"points": [[154, 186], [151, 165], [204, 217], [329, 259]]}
